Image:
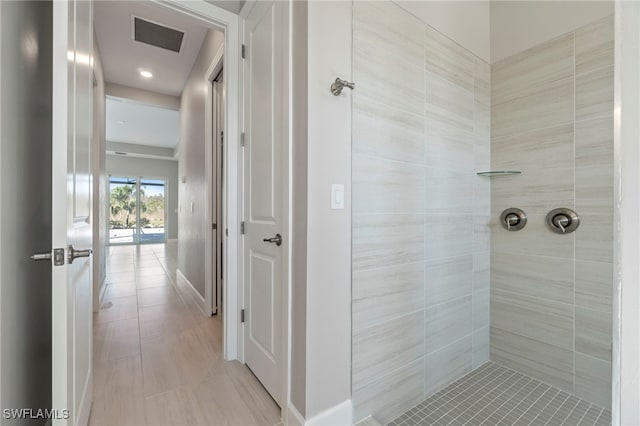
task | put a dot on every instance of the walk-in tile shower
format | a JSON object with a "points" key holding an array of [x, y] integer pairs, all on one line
{"points": [[443, 287]]}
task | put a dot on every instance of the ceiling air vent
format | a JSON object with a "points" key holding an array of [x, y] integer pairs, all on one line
{"points": [[157, 35], [120, 153]]}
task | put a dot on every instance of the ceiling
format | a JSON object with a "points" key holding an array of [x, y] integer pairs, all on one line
{"points": [[122, 57], [141, 124]]}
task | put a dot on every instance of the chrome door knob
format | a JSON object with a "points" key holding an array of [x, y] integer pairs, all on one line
{"points": [[73, 254], [277, 240]]}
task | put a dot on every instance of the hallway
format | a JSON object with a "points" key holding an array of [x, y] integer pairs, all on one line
{"points": [[158, 359]]}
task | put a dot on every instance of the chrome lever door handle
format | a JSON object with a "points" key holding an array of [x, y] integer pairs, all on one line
{"points": [[277, 240], [41, 256], [74, 254]]}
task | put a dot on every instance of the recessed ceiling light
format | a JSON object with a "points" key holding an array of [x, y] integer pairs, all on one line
{"points": [[145, 74]]}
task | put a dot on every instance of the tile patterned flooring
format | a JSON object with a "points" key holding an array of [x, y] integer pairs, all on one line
{"points": [[493, 395], [157, 358]]}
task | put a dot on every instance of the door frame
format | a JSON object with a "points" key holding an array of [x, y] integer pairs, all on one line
{"points": [[210, 255], [227, 22]]}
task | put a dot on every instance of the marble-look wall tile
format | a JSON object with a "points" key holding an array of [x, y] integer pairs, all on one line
{"points": [[380, 295], [448, 236], [448, 146], [594, 142], [481, 232], [386, 240], [434, 124], [593, 380], [550, 146], [594, 93], [551, 293], [595, 45], [594, 190], [594, 238], [546, 277], [386, 186], [481, 276], [535, 318], [448, 364], [482, 187], [448, 191], [480, 347], [523, 74], [388, 114], [481, 311], [482, 81], [380, 349], [388, 396], [534, 239], [548, 107], [593, 333], [594, 285], [482, 123], [449, 103], [448, 278], [449, 60], [538, 359], [447, 322], [535, 190]]}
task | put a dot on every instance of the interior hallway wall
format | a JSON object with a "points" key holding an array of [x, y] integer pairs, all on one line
{"points": [[421, 125], [551, 294], [192, 221], [118, 165], [100, 202]]}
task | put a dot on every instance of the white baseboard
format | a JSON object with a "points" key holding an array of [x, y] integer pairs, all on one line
{"points": [[184, 284], [338, 415], [294, 418]]}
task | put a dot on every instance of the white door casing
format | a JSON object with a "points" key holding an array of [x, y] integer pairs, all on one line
{"points": [[218, 187], [265, 180], [71, 213]]}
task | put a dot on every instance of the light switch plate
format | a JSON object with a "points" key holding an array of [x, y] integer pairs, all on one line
{"points": [[337, 196]]}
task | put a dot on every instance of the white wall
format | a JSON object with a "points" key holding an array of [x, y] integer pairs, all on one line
{"points": [[328, 349], [118, 165], [100, 202], [519, 25], [465, 22], [192, 224]]}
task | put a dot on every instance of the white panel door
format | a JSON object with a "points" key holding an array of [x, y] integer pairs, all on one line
{"points": [[71, 216], [265, 133]]}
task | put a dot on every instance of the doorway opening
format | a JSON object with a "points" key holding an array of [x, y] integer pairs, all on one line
{"points": [[137, 210], [164, 311]]}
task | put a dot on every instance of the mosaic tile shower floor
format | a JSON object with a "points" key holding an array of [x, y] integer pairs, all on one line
{"points": [[494, 395]]}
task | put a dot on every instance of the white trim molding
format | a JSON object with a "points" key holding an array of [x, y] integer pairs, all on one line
{"points": [[294, 418], [187, 290], [626, 155], [338, 415], [210, 279]]}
